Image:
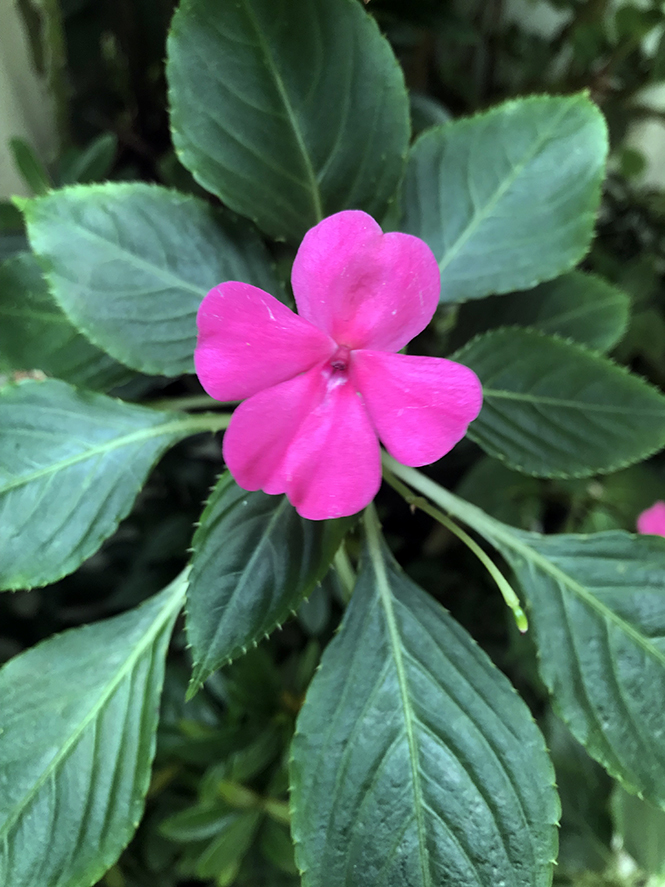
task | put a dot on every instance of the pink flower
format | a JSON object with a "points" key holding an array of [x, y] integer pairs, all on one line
{"points": [[321, 387], [652, 521]]}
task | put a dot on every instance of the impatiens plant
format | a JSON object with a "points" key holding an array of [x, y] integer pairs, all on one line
{"points": [[390, 751]]}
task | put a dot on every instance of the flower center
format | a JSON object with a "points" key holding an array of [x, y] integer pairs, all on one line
{"points": [[339, 362]]}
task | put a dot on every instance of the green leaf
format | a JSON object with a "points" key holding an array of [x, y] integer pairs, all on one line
{"points": [[554, 409], [255, 559], [93, 163], [508, 198], [277, 847], [585, 830], [228, 848], [597, 608], [130, 263], [414, 762], [575, 306], [79, 713], [198, 823], [71, 464], [287, 110], [642, 830], [36, 334], [30, 166]]}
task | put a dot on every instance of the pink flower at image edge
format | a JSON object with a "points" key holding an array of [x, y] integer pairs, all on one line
{"points": [[320, 388], [652, 521]]}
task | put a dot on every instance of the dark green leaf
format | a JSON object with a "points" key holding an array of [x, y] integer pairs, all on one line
{"points": [[30, 166], [93, 163], [130, 263], [415, 763], [288, 110], [227, 850], [508, 198], [255, 559], [198, 823], [71, 464], [507, 495], [597, 606], [79, 714], [575, 306], [584, 788], [277, 847], [35, 334], [554, 409], [11, 243]]}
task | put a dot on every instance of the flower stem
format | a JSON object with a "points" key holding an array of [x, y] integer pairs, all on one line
{"points": [[415, 501], [191, 402]]}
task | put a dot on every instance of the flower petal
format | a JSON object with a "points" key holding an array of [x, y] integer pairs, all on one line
{"points": [[248, 341], [652, 521], [310, 438], [364, 288], [420, 406]]}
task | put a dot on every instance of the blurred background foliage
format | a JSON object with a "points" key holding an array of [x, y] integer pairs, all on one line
{"points": [[217, 811]]}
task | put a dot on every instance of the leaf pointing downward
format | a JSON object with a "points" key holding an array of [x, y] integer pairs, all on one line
{"points": [[415, 764]]}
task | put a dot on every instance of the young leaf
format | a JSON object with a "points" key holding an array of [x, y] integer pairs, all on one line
{"points": [[93, 163], [79, 713], [554, 409], [27, 162], [508, 198], [575, 306], [35, 334], [254, 561], [597, 607], [71, 464], [414, 761], [287, 110], [130, 263]]}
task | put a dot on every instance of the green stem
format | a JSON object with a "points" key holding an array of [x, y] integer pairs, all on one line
{"points": [[417, 478], [345, 572], [191, 402], [207, 422]]}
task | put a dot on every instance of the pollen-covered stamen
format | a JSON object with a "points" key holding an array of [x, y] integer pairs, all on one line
{"points": [[339, 362]]}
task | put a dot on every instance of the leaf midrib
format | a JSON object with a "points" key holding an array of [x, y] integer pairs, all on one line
{"points": [[479, 217], [129, 257], [172, 607], [385, 594], [290, 112], [257, 551], [167, 428], [505, 394]]}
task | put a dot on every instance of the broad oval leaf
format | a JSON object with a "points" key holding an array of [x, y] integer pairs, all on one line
{"points": [[597, 606], [78, 715], [35, 334], [577, 306], [508, 198], [254, 561], [287, 110], [129, 264], [553, 409], [415, 763], [71, 465]]}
